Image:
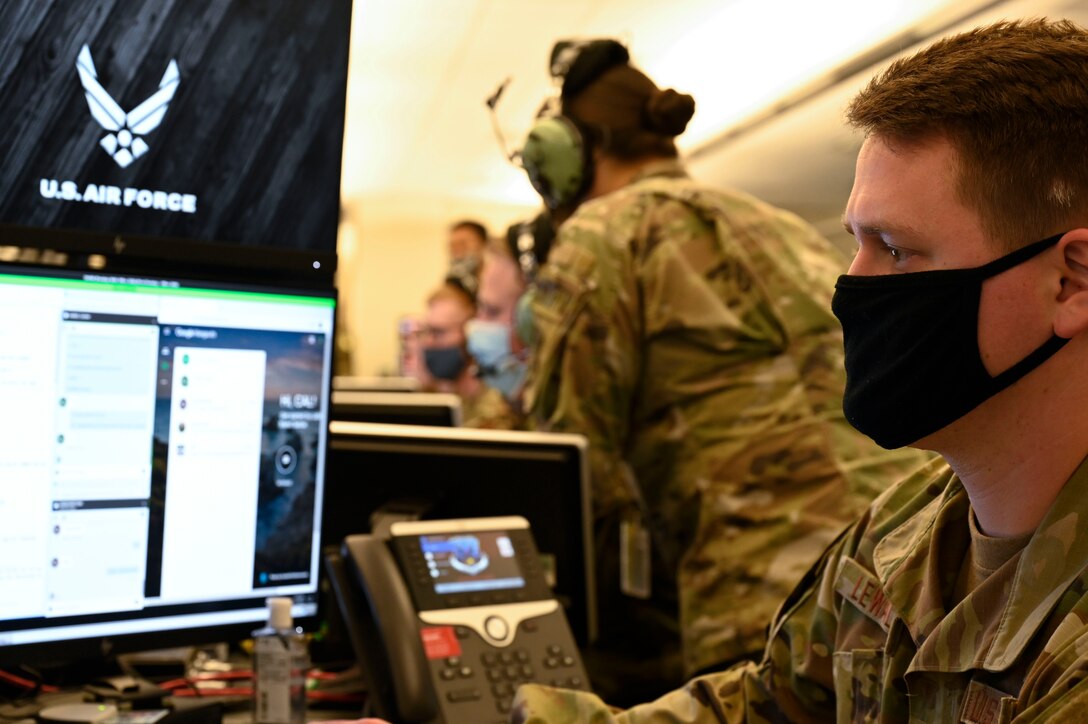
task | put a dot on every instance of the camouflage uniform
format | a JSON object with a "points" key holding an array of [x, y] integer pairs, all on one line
{"points": [[490, 410], [688, 334], [875, 633]]}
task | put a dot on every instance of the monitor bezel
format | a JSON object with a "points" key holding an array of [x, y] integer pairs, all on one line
{"points": [[97, 252], [364, 383], [409, 401]]}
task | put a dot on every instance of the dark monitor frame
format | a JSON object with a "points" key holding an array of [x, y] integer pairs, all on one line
{"points": [[342, 506], [279, 95], [352, 383], [378, 407], [182, 258]]}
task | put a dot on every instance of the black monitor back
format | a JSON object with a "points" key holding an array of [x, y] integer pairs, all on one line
{"points": [[243, 149], [462, 473], [397, 408], [350, 383]]}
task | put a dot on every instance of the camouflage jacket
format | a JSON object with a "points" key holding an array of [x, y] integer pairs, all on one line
{"points": [[490, 410], [688, 334], [873, 634]]}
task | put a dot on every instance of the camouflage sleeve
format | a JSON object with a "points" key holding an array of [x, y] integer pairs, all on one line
{"points": [[794, 681], [489, 410], [1065, 705], [1059, 677], [697, 702], [729, 697], [585, 363]]}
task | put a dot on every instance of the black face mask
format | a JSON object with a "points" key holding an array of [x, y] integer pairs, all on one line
{"points": [[445, 363], [912, 359]]}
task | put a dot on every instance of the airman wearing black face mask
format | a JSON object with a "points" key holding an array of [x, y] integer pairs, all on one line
{"points": [[962, 593]]}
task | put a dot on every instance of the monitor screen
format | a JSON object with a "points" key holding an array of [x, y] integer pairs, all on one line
{"points": [[216, 121], [397, 408], [164, 474], [445, 473]]}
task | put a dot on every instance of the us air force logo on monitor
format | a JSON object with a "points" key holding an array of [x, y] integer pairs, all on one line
{"points": [[123, 142]]}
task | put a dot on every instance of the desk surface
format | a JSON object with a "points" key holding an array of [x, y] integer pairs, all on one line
{"points": [[236, 710]]}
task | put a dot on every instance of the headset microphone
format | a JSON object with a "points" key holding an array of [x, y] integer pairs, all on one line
{"points": [[491, 101], [557, 154]]}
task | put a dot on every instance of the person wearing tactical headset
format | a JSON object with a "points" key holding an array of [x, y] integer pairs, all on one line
{"points": [[500, 335], [493, 341], [688, 333]]}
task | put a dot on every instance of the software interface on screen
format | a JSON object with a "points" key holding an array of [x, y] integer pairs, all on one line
{"points": [[464, 563], [161, 453]]}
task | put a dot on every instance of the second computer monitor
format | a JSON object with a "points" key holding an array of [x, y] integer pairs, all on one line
{"points": [[462, 473], [349, 383], [397, 408]]}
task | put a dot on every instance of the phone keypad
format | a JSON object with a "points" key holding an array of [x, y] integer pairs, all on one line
{"points": [[507, 670], [461, 695], [454, 668], [479, 683]]}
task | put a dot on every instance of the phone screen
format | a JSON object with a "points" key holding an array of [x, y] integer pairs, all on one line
{"points": [[467, 562]]}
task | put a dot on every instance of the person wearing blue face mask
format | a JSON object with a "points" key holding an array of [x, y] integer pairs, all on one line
{"points": [[493, 341], [447, 363], [443, 339]]}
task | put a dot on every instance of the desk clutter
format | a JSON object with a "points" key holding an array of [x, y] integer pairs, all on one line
{"points": [[226, 691]]}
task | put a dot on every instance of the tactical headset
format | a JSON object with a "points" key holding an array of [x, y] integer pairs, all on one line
{"points": [[558, 153], [529, 242]]}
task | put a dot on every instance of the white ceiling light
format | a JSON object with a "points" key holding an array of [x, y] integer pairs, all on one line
{"points": [[751, 53]]}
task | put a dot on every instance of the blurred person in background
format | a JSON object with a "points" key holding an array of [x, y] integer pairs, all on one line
{"points": [[450, 368], [465, 245], [465, 242], [501, 353]]}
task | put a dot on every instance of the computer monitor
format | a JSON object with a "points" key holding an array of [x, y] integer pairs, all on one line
{"points": [[162, 456], [212, 125], [397, 408], [463, 473], [349, 383]]}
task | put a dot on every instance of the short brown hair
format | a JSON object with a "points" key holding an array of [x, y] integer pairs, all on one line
{"points": [[1012, 99], [455, 293], [472, 225]]}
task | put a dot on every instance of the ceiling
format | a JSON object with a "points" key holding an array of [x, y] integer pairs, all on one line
{"points": [[418, 127], [807, 136], [770, 79]]}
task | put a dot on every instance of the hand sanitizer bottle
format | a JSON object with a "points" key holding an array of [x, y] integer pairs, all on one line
{"points": [[280, 662]]}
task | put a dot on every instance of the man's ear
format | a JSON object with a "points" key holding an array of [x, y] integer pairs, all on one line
{"points": [[1071, 316]]}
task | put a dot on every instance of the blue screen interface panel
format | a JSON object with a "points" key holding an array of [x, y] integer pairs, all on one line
{"points": [[165, 468], [466, 563]]}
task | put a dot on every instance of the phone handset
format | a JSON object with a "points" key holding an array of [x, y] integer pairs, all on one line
{"points": [[393, 617]]}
